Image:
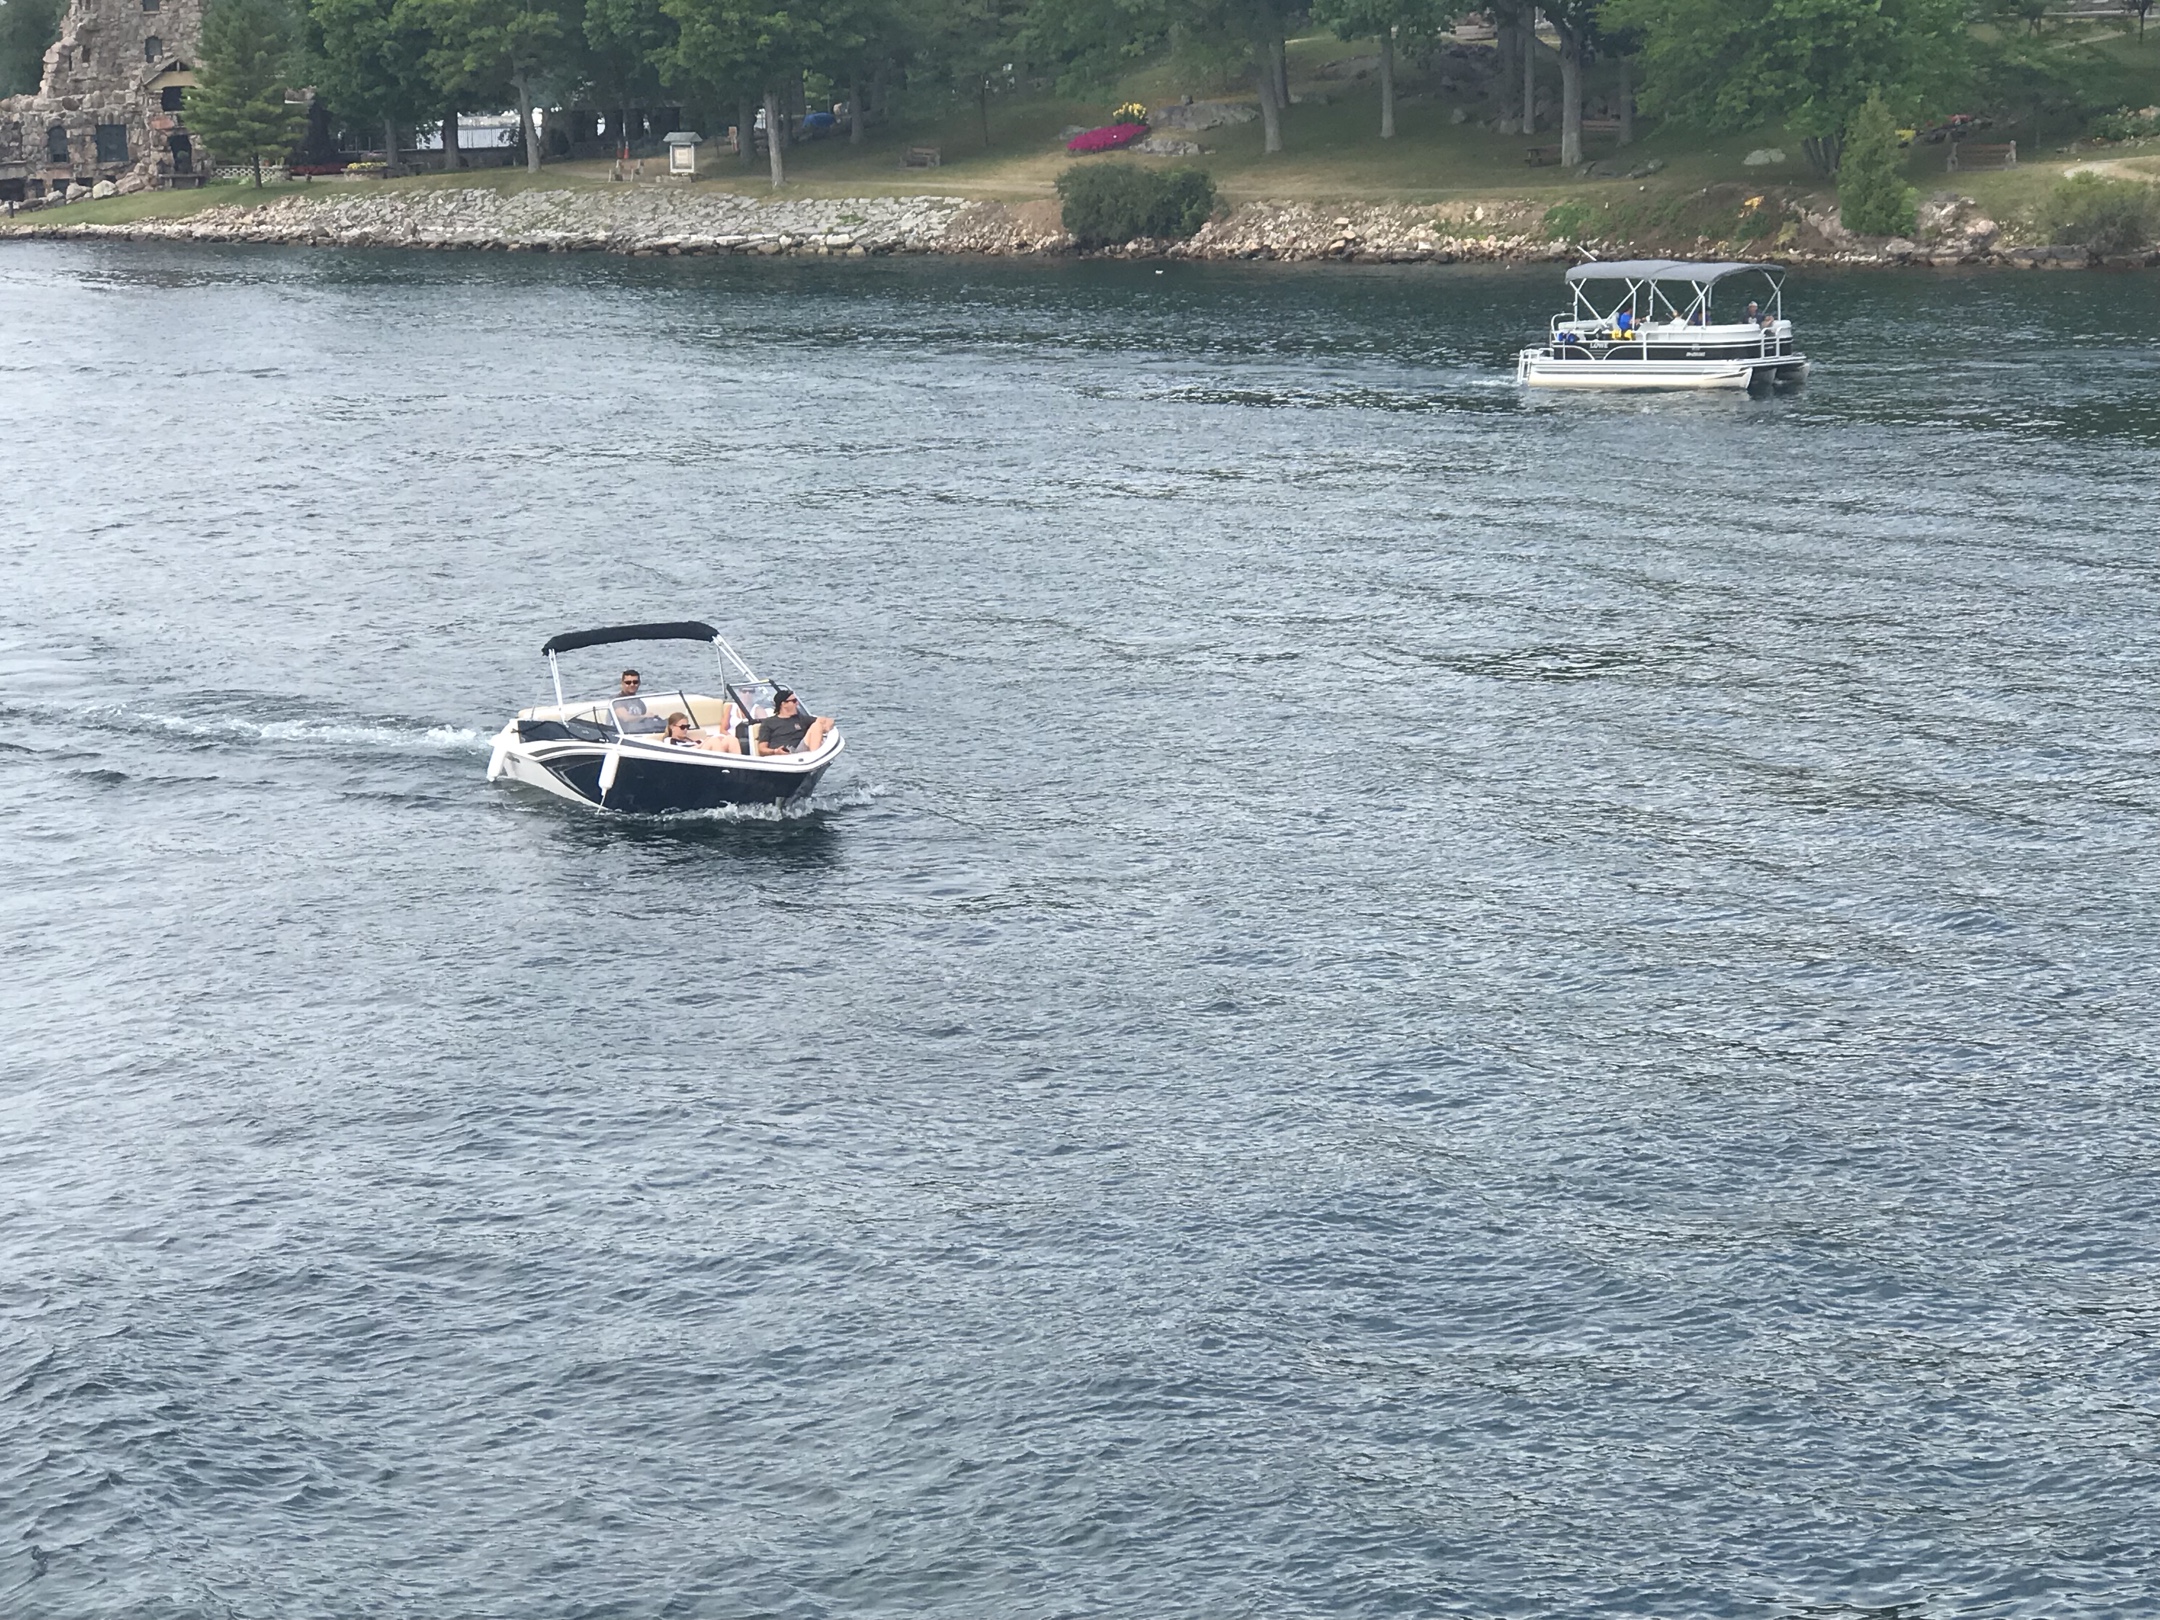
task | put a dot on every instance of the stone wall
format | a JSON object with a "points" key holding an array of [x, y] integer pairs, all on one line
{"points": [[101, 114], [667, 218]]}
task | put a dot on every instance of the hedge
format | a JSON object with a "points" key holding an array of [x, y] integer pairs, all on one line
{"points": [[1110, 203]]}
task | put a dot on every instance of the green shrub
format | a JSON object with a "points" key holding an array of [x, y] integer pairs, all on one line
{"points": [[2125, 125], [1756, 223], [1568, 221], [1873, 197], [1109, 203], [2102, 215]]}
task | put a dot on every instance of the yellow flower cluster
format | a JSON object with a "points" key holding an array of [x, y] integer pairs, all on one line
{"points": [[1131, 113]]}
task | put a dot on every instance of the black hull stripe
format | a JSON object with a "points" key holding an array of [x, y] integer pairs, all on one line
{"points": [[645, 786]]}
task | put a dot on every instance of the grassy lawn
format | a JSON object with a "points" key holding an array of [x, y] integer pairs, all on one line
{"points": [[1334, 153], [151, 205]]}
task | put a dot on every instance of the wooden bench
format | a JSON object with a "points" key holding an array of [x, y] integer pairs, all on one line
{"points": [[923, 157], [1540, 156], [1601, 126], [1973, 155]]}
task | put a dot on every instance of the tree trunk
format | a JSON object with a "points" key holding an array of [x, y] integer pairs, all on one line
{"points": [[389, 145], [1570, 97], [449, 139], [745, 110], [1507, 42], [982, 107], [1270, 108], [1279, 52], [1823, 152], [1529, 70], [523, 85], [1627, 101], [854, 110], [772, 140], [1387, 85], [257, 159]]}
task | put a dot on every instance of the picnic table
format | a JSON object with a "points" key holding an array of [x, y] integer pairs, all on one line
{"points": [[1975, 155]]}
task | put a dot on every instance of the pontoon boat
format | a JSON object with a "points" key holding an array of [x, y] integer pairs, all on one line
{"points": [[613, 753], [1656, 330]]}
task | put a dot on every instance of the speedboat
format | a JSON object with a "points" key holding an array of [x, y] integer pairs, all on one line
{"points": [[1648, 323], [613, 752]]}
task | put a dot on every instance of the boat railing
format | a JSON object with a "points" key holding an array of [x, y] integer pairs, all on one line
{"points": [[1768, 342], [1663, 331]]}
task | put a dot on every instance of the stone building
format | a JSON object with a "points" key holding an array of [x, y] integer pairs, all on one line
{"points": [[110, 108]]}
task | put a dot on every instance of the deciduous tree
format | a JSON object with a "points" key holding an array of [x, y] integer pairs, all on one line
{"points": [[975, 48], [1389, 22], [368, 67], [28, 29], [626, 41], [1731, 65], [521, 43], [732, 45]]}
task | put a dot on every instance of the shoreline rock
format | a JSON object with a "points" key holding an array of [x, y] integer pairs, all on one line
{"points": [[655, 221]]}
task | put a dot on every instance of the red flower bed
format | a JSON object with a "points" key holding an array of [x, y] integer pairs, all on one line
{"points": [[1106, 139], [316, 168]]}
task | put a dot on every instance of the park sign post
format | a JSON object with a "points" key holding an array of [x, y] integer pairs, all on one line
{"points": [[682, 145]]}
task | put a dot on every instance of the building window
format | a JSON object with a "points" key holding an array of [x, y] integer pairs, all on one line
{"points": [[112, 143], [56, 143], [152, 48], [171, 97]]}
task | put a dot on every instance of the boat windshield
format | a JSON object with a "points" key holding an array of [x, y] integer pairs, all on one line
{"points": [[646, 713]]}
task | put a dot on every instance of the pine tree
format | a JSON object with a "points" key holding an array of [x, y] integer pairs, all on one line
{"points": [[1873, 197], [249, 48]]}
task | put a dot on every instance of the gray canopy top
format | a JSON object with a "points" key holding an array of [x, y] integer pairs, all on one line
{"points": [[1701, 275]]}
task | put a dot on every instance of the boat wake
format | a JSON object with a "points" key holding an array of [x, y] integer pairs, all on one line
{"points": [[330, 731]]}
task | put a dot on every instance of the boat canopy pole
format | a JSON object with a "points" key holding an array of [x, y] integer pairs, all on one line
{"points": [[555, 670], [726, 652], [1644, 283], [732, 656]]}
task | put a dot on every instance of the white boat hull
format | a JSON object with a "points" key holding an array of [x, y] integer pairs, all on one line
{"points": [[1537, 369]]}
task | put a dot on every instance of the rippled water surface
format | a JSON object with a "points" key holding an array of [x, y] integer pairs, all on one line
{"points": [[1406, 1002]]}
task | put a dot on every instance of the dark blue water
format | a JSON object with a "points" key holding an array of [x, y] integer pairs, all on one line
{"points": [[1406, 1002]]}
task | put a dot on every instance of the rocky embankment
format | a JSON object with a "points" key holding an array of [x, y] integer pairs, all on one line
{"points": [[650, 220]]}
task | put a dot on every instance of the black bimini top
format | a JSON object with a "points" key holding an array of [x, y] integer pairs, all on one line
{"points": [[683, 630]]}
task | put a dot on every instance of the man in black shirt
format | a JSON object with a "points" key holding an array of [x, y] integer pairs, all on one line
{"points": [[630, 712], [790, 727]]}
